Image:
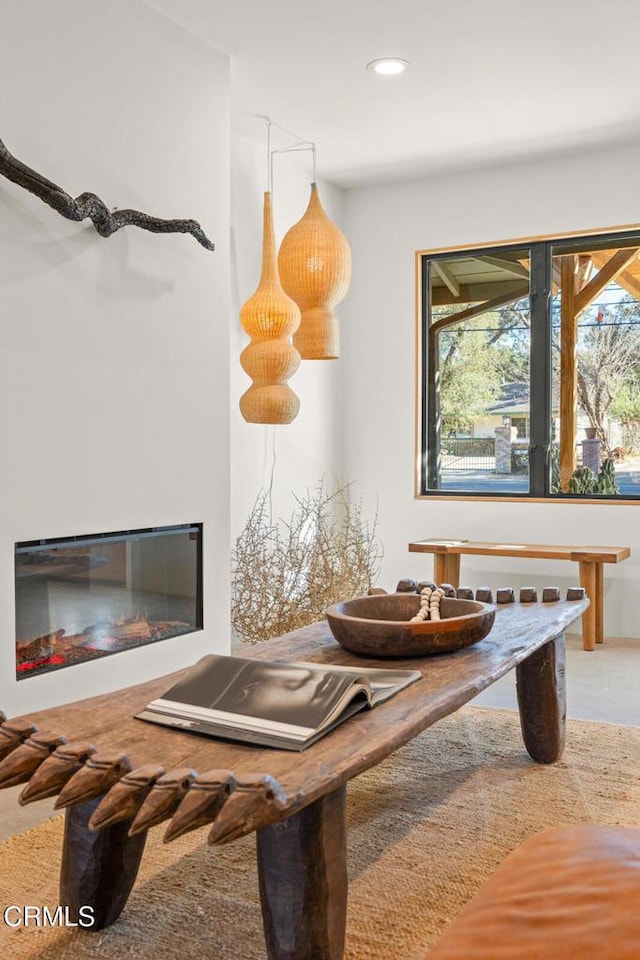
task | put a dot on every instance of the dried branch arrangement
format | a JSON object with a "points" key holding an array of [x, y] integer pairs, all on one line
{"points": [[285, 575], [89, 205]]}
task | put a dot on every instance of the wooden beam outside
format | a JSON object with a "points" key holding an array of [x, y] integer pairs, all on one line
{"points": [[583, 271], [568, 370], [473, 292], [447, 277], [509, 266], [479, 308], [606, 275], [627, 280]]}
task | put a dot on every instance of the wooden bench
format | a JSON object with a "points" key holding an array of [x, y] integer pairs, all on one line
{"points": [[446, 569]]}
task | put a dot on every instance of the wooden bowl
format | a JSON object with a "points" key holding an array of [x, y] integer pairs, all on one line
{"points": [[379, 626]]}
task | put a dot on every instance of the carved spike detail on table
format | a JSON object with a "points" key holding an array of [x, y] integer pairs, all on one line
{"points": [[407, 586], [505, 595], [257, 800], [550, 594], [22, 762], [464, 593], [13, 733], [529, 595], [97, 776], [484, 595], [202, 803], [56, 770], [163, 799], [125, 797], [576, 593]]}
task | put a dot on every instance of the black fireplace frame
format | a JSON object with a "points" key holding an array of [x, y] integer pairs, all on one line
{"points": [[118, 536]]}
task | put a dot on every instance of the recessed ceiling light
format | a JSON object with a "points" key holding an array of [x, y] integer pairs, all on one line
{"points": [[388, 66]]}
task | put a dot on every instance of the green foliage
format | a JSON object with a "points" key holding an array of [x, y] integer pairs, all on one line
{"points": [[512, 359], [584, 482], [469, 380], [519, 460], [609, 368], [607, 478], [626, 409], [555, 467]]}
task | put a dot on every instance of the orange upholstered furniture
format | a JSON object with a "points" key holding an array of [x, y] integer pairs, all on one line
{"points": [[569, 893]]}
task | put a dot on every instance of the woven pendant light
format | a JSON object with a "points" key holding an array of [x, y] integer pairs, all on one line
{"points": [[315, 270], [270, 318]]}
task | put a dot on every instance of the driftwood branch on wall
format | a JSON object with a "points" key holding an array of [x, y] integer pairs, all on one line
{"points": [[89, 205]]}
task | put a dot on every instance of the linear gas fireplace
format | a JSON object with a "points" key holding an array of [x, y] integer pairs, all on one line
{"points": [[78, 598]]}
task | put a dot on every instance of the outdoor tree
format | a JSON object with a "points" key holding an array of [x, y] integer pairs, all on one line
{"points": [[469, 378], [626, 409], [608, 368]]}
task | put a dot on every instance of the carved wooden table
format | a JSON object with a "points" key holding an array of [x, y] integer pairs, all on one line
{"points": [[590, 560], [295, 802]]}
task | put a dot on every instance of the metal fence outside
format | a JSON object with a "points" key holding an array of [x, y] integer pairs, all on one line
{"points": [[468, 453]]}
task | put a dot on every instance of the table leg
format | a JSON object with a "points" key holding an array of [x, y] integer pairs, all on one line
{"points": [[452, 569], [99, 867], [599, 602], [302, 874], [439, 568], [589, 580], [540, 685]]}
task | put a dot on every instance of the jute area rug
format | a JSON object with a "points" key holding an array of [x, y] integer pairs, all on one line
{"points": [[426, 827]]}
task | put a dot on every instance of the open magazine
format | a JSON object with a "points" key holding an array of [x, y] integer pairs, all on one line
{"points": [[272, 704]]}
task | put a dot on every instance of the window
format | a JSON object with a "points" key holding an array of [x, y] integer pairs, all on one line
{"points": [[530, 370]]}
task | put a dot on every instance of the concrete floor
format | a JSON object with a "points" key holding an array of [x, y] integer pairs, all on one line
{"points": [[603, 685]]}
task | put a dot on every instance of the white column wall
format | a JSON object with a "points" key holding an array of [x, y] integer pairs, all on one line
{"points": [[386, 225], [114, 356]]}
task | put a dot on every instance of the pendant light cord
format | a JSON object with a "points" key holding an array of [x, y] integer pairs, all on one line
{"points": [[299, 144], [269, 157], [273, 470]]}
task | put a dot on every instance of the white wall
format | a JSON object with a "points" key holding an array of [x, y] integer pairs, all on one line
{"points": [[308, 449], [386, 224], [114, 352]]}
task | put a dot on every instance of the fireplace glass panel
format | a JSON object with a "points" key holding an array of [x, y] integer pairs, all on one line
{"points": [[86, 597]]}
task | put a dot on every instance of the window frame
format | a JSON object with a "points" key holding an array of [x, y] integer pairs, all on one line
{"points": [[540, 293]]}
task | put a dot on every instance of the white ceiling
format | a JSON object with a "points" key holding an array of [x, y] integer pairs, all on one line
{"points": [[489, 80]]}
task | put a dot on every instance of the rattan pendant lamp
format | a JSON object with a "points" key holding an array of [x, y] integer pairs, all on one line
{"points": [[270, 318], [315, 270]]}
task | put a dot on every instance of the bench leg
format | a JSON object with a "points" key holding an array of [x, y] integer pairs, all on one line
{"points": [[99, 867], [439, 568], [599, 602], [452, 569], [302, 874], [540, 685], [589, 580]]}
